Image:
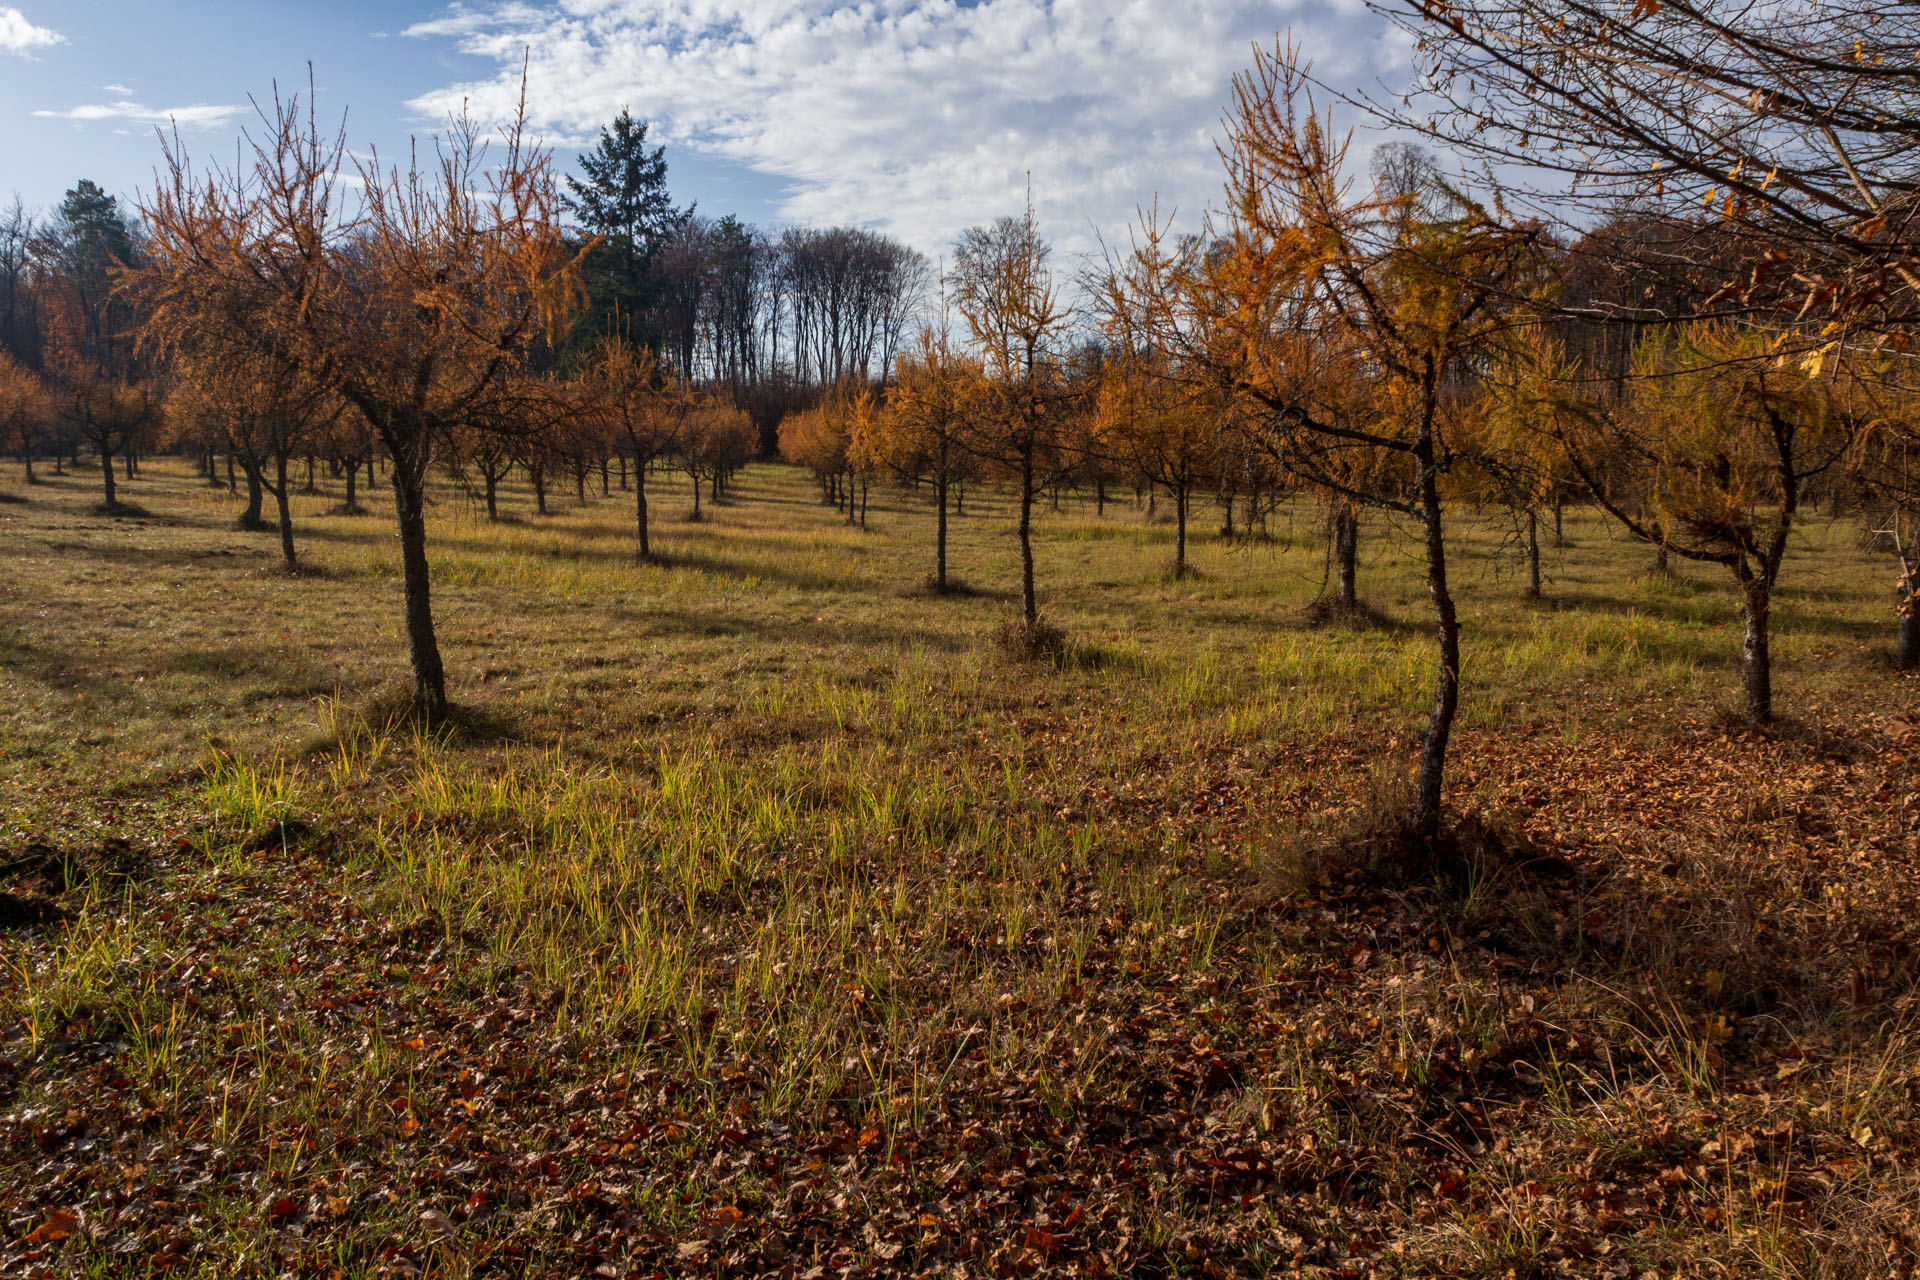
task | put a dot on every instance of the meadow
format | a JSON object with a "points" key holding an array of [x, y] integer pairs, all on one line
{"points": [[760, 915]]}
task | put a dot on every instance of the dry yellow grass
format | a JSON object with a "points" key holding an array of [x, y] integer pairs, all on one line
{"points": [[763, 916]]}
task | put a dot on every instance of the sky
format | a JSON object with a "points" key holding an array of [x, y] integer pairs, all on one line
{"points": [[914, 117]]}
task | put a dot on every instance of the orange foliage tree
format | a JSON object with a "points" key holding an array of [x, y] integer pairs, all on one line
{"points": [[418, 305]]}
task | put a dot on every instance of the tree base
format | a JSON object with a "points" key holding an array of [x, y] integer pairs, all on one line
{"points": [[1035, 641]]}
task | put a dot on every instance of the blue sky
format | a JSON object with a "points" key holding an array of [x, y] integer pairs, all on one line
{"points": [[918, 117]]}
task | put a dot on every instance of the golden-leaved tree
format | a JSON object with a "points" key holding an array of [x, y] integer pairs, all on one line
{"points": [[920, 430], [419, 303], [1301, 286]]}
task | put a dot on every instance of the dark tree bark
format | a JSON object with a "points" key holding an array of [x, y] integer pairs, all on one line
{"points": [[640, 508], [538, 474], [1346, 553], [285, 511], [106, 476], [940, 530], [1433, 747], [1029, 601], [1756, 649], [1907, 647], [1533, 554], [353, 479], [251, 519], [1180, 531], [409, 471]]}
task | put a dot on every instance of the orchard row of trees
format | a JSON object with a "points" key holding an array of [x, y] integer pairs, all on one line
{"points": [[1701, 324]]}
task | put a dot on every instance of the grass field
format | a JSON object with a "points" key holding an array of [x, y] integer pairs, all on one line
{"points": [[764, 917]]}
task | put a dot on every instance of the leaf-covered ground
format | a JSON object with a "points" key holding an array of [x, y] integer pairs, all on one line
{"points": [[723, 943]]}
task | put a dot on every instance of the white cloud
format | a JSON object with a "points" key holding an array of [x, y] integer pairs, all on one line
{"points": [[17, 35], [120, 89], [199, 115], [918, 116]]}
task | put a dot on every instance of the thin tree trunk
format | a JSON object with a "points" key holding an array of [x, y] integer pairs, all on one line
{"points": [[1756, 653], [251, 518], [493, 495], [1446, 703], [940, 532], [127, 461], [106, 474], [309, 489], [1346, 548], [640, 508], [604, 489], [409, 498], [231, 485], [863, 502], [1533, 554], [1180, 532], [1029, 602], [353, 482], [286, 513], [1907, 650], [1559, 519], [1100, 497], [26, 460], [695, 475], [539, 475]]}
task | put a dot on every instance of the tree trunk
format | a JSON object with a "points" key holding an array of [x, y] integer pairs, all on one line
{"points": [[1756, 656], [1559, 519], [580, 486], [1346, 550], [26, 460], [493, 495], [409, 498], [286, 513], [251, 518], [127, 460], [1907, 651], [640, 508], [353, 481], [604, 489], [623, 473], [106, 475], [539, 477], [695, 476], [1029, 602], [1533, 554], [232, 485], [1100, 497], [863, 502], [1660, 558], [1180, 532], [309, 488], [940, 532], [1433, 747]]}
